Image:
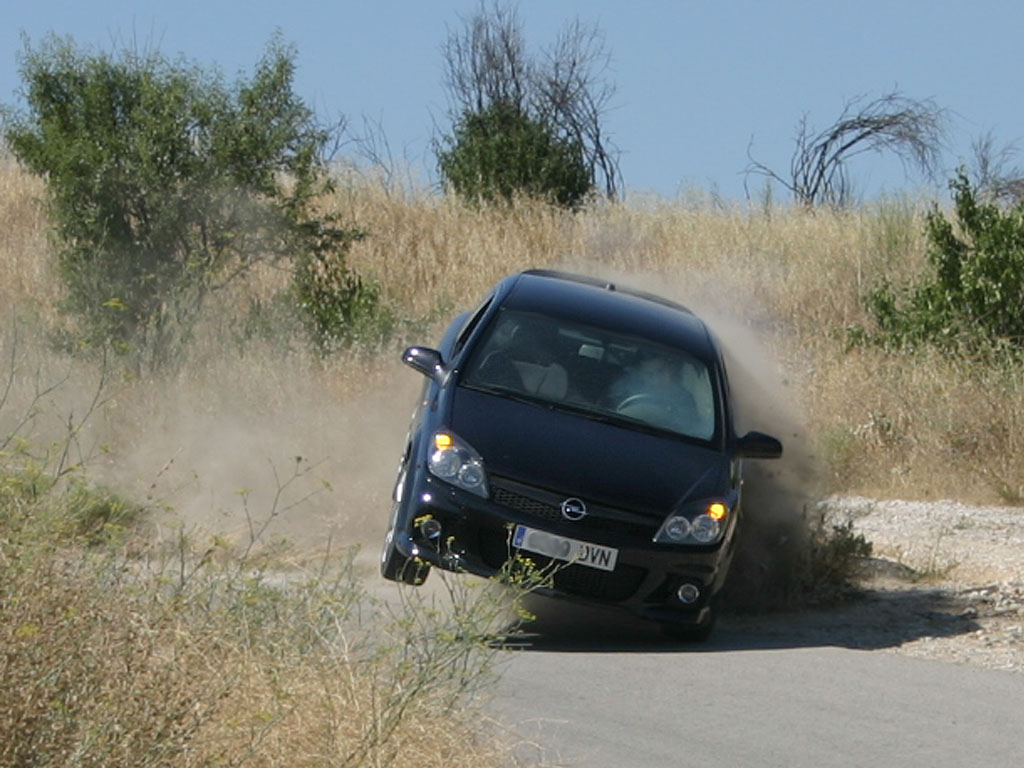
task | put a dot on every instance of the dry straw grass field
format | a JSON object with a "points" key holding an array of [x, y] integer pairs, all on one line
{"points": [[200, 662]]}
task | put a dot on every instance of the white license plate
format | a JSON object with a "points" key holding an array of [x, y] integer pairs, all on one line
{"points": [[562, 548]]}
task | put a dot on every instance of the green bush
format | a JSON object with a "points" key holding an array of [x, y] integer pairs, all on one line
{"points": [[974, 297], [165, 184], [501, 151], [338, 306]]}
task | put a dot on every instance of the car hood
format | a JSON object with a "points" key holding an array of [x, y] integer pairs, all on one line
{"points": [[597, 461]]}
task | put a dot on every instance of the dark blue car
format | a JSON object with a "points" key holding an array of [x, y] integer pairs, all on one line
{"points": [[587, 427]]}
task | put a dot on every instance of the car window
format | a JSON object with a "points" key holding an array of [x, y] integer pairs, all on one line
{"points": [[596, 371]]}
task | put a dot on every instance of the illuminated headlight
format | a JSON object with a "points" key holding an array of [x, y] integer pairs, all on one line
{"points": [[455, 462], [701, 523]]}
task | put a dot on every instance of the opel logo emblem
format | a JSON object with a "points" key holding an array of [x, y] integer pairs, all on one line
{"points": [[574, 509]]}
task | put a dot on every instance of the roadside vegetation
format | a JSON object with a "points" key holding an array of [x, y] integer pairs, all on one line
{"points": [[164, 185]]}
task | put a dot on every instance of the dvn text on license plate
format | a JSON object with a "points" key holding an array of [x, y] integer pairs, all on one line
{"points": [[562, 548]]}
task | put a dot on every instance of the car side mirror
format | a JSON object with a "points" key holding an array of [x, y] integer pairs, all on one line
{"points": [[757, 445], [425, 360]]}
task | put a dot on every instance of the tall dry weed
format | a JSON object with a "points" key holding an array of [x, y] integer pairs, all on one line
{"points": [[138, 644], [25, 254]]}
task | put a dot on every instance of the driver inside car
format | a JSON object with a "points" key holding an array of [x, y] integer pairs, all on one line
{"points": [[654, 392]]}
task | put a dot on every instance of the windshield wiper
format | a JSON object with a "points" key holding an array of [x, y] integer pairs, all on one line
{"points": [[577, 410], [511, 394]]}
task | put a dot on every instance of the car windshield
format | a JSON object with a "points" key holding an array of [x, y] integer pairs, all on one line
{"points": [[596, 372]]}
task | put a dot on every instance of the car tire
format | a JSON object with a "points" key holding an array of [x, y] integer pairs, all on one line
{"points": [[394, 566]]}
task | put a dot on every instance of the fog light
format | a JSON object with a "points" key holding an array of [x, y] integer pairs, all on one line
{"points": [[430, 528], [688, 593]]}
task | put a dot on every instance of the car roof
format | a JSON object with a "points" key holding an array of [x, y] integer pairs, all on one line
{"points": [[602, 304]]}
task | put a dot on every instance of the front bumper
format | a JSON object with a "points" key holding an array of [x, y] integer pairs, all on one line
{"points": [[475, 536]]}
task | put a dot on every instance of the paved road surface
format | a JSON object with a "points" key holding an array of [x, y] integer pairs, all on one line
{"points": [[591, 691]]}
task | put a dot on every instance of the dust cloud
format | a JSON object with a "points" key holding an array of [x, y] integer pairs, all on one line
{"points": [[778, 495], [240, 449], [231, 445]]}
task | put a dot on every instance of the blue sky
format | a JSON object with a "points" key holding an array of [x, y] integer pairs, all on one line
{"points": [[697, 81]]}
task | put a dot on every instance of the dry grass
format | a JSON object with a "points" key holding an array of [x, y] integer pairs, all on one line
{"points": [[110, 662], [24, 249]]}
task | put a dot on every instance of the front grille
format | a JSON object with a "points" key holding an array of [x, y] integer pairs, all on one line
{"points": [[613, 586], [526, 505], [546, 506], [495, 548]]}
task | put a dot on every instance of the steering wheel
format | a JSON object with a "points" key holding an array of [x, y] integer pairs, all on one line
{"points": [[645, 398]]}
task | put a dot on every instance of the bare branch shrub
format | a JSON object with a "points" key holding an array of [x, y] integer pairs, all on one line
{"points": [[893, 123], [995, 178], [486, 63], [572, 84]]}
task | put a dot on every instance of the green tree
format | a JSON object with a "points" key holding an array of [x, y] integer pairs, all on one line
{"points": [[524, 124], [499, 152], [975, 295], [165, 184]]}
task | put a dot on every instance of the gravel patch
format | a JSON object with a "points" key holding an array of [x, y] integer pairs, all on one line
{"points": [[946, 581]]}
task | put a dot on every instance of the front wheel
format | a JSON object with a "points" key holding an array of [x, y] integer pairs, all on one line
{"points": [[394, 566]]}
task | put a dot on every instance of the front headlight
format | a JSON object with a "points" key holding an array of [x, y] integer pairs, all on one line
{"points": [[455, 462], [698, 523]]}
